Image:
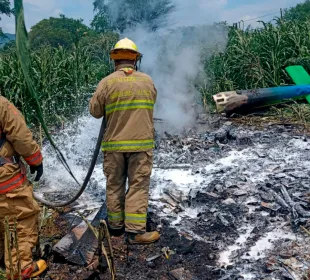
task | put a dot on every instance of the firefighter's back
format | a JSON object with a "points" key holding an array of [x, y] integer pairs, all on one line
{"points": [[129, 102]]}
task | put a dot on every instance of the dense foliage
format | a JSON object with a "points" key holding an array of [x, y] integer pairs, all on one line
{"points": [[64, 77], [4, 9], [60, 31], [69, 58], [301, 12], [151, 14], [256, 58], [6, 38]]}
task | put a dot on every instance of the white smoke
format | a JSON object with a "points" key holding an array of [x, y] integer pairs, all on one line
{"points": [[173, 58], [172, 55]]}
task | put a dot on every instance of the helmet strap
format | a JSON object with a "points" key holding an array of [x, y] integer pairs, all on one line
{"points": [[138, 63]]}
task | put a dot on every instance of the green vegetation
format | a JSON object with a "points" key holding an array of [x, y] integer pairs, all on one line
{"points": [[6, 38], [57, 74], [62, 31], [69, 58], [296, 114], [2, 275], [256, 58], [131, 13], [4, 9], [64, 76], [301, 12]]}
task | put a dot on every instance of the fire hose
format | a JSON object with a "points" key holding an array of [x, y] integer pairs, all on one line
{"points": [[87, 178], [22, 47], [88, 175]]}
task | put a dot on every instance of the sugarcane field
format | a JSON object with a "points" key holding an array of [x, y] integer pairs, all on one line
{"points": [[155, 139]]}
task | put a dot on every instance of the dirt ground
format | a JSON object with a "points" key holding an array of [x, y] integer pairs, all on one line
{"points": [[240, 209], [231, 203], [187, 258]]}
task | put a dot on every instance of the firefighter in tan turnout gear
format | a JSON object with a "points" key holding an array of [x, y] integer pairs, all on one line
{"points": [[126, 99], [16, 192]]}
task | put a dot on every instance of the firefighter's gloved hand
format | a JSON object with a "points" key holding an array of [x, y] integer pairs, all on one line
{"points": [[39, 170]]}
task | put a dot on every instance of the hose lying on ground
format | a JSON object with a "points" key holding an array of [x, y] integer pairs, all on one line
{"points": [[86, 180]]}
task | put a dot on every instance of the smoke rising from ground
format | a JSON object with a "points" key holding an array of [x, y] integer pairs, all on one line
{"points": [[172, 55]]}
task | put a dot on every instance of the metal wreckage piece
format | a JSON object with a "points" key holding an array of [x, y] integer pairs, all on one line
{"points": [[80, 244], [245, 101]]}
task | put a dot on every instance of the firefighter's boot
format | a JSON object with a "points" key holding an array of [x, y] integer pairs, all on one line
{"points": [[39, 267], [117, 232], [145, 238], [33, 270]]}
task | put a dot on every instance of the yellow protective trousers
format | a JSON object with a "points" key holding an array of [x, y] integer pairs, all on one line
{"points": [[19, 204], [129, 209]]}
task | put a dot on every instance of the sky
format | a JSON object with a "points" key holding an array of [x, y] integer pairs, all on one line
{"points": [[250, 11]]}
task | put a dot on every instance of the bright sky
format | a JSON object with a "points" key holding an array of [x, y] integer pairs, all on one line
{"points": [[187, 13]]}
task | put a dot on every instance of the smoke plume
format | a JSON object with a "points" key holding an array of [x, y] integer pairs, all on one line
{"points": [[175, 53]]}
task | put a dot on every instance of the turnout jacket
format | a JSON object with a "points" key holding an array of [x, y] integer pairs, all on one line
{"points": [[126, 98], [19, 142]]}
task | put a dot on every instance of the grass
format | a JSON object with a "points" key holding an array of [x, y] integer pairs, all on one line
{"points": [[256, 58], [64, 79], [294, 114], [2, 274]]}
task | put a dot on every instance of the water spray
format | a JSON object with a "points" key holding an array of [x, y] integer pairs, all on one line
{"points": [[87, 178], [22, 45]]}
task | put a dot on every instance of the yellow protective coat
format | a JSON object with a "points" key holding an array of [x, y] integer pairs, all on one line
{"points": [[127, 99], [19, 142], [16, 196]]}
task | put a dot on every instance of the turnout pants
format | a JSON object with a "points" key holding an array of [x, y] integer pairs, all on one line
{"points": [[129, 209], [20, 204]]}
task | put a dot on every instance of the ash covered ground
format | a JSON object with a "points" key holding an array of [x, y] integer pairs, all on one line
{"points": [[232, 202]]}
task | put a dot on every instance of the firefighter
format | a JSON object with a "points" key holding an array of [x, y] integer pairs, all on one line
{"points": [[16, 192], [126, 100]]}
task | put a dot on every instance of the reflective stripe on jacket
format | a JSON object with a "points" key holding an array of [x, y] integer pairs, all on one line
{"points": [[127, 98], [19, 141], [128, 145], [12, 183]]}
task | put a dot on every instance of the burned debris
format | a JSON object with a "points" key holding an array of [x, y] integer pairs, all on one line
{"points": [[237, 199], [248, 193]]}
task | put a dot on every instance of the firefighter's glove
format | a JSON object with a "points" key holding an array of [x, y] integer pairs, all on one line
{"points": [[39, 170]]}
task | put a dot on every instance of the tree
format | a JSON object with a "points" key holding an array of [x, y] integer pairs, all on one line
{"points": [[60, 31], [300, 12], [4, 9], [122, 14], [101, 22]]}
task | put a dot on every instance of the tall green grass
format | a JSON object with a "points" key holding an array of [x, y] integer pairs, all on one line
{"points": [[64, 78], [256, 58]]}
